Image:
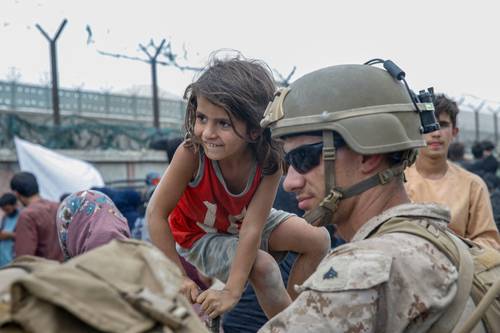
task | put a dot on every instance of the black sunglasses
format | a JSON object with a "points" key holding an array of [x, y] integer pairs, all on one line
{"points": [[305, 157]]}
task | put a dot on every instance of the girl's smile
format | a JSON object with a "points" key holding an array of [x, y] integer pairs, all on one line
{"points": [[217, 132]]}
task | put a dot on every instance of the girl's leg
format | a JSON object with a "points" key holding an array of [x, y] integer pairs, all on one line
{"points": [[266, 280], [311, 243], [213, 255]]}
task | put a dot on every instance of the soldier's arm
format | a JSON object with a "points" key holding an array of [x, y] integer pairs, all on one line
{"points": [[315, 311], [341, 296], [481, 227]]}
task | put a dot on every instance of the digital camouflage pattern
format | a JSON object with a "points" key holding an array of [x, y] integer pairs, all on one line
{"points": [[393, 283]]}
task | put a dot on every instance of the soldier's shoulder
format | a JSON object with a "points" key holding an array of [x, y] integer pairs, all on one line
{"points": [[350, 268], [407, 250], [370, 262]]}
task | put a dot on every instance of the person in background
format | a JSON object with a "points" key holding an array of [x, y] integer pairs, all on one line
{"points": [[456, 154], [171, 146], [477, 150], [36, 226], [63, 196], [140, 230], [485, 165], [8, 204], [476, 165], [86, 220], [434, 179], [127, 200], [490, 163]]}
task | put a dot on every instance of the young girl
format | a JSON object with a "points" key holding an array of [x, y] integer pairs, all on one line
{"points": [[213, 204]]}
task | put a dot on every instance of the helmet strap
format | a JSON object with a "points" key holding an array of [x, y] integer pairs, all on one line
{"points": [[381, 178], [322, 215]]}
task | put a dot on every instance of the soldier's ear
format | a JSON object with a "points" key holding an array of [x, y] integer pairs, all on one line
{"points": [[371, 163]]}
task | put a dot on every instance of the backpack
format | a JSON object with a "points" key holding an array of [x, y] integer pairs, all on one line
{"points": [[125, 286], [479, 273]]}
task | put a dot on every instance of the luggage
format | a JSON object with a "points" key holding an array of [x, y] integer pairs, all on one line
{"points": [[126, 286]]}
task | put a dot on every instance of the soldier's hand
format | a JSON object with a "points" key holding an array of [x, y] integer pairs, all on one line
{"points": [[190, 289], [216, 302]]}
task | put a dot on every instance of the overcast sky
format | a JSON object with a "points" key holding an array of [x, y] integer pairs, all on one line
{"points": [[451, 45]]}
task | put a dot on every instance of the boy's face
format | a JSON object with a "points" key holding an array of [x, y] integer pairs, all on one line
{"points": [[8, 209], [439, 141]]}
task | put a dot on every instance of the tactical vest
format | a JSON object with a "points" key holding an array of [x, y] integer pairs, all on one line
{"points": [[125, 286], [479, 273]]}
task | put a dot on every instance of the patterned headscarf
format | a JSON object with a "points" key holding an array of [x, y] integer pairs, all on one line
{"points": [[86, 220]]}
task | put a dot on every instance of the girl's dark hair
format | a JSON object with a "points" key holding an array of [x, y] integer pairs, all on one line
{"points": [[243, 88]]}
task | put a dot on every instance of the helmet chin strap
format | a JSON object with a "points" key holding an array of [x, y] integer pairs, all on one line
{"points": [[323, 214]]}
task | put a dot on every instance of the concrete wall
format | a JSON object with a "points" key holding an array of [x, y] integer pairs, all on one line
{"points": [[113, 165]]}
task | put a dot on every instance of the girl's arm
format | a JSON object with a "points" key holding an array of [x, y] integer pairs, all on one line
{"points": [[216, 303], [251, 232], [165, 198]]}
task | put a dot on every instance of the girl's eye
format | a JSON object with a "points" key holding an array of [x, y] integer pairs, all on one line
{"points": [[225, 124], [201, 118]]}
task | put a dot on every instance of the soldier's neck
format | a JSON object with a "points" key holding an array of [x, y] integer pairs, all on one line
{"points": [[370, 204]]}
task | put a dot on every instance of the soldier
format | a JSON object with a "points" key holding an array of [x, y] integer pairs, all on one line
{"points": [[349, 131]]}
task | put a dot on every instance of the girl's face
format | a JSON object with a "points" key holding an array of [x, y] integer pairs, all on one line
{"points": [[214, 128]]}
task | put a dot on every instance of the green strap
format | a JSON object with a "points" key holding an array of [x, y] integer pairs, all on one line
{"points": [[380, 178], [456, 251], [329, 206], [322, 215]]}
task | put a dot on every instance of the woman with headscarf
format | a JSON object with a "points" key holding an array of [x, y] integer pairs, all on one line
{"points": [[86, 220]]}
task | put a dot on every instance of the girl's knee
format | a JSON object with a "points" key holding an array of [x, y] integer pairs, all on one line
{"points": [[322, 241], [264, 266]]}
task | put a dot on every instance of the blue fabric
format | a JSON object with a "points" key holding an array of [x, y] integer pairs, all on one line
{"points": [[7, 246], [126, 200], [247, 316], [141, 231]]}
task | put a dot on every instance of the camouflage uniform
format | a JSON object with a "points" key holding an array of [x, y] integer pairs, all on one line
{"points": [[389, 283]]}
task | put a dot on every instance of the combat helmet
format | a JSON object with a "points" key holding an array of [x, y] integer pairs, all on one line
{"points": [[371, 108]]}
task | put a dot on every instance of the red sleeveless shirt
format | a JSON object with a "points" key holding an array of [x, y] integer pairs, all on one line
{"points": [[207, 205]]}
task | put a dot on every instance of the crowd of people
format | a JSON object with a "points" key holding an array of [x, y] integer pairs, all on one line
{"points": [[350, 146]]}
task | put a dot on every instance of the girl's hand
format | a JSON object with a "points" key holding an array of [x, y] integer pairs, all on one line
{"points": [[216, 302], [190, 289]]}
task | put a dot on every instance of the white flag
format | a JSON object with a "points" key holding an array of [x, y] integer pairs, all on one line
{"points": [[56, 174]]}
